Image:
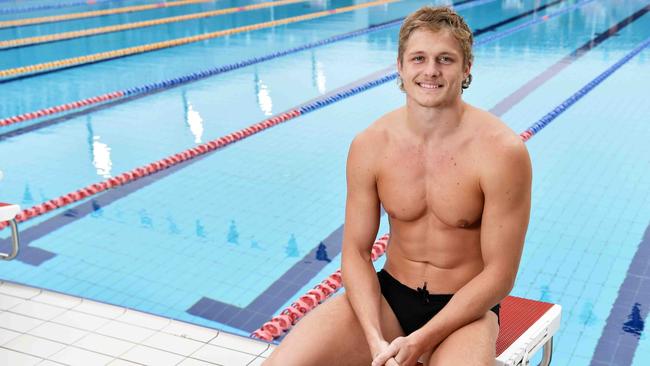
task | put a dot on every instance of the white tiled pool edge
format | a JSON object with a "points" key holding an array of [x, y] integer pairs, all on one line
{"points": [[40, 327]]}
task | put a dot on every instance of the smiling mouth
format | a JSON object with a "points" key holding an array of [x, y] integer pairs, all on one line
{"points": [[429, 85]]}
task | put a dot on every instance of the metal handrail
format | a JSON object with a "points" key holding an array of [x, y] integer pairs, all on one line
{"points": [[14, 242], [547, 354]]}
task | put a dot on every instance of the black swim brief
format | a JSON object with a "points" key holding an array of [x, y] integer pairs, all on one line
{"points": [[413, 308]]}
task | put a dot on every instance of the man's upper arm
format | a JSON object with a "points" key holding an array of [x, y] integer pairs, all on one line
{"points": [[506, 186], [362, 203]]}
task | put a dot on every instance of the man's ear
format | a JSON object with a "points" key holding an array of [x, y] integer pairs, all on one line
{"points": [[467, 71]]}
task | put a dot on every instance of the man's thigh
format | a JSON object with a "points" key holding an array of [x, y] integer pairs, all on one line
{"points": [[471, 345], [331, 335]]}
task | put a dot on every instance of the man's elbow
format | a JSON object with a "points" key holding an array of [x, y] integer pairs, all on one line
{"points": [[504, 282]]}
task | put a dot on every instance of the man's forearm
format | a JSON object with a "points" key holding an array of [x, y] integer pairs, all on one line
{"points": [[362, 288], [470, 303]]}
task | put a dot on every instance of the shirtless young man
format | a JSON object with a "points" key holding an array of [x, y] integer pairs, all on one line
{"points": [[455, 182]]}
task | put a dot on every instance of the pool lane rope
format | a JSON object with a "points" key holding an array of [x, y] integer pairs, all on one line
{"points": [[169, 83], [86, 14], [7, 74], [29, 41], [288, 317]]}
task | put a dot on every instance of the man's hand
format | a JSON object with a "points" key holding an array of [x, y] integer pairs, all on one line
{"points": [[403, 351]]}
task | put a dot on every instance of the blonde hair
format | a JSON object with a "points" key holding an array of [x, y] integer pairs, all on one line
{"points": [[435, 19]]}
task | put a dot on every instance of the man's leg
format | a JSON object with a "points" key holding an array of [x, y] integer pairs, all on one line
{"points": [[331, 335], [471, 345]]}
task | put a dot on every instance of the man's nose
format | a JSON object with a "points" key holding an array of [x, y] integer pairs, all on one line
{"points": [[432, 69]]}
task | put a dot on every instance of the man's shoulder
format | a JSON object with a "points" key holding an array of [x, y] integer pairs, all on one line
{"points": [[493, 133], [378, 133], [501, 148]]}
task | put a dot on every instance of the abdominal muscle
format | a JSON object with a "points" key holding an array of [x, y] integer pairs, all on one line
{"points": [[445, 258]]}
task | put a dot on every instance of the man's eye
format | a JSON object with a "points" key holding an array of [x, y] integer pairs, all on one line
{"points": [[445, 59], [418, 58]]}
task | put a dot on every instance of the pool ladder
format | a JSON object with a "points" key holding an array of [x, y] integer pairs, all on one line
{"points": [[8, 213]]}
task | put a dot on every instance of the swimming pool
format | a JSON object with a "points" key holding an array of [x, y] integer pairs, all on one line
{"points": [[228, 239]]}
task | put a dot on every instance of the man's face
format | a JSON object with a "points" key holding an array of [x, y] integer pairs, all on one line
{"points": [[432, 68]]}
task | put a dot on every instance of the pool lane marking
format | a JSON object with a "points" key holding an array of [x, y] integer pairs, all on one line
{"points": [[30, 41], [139, 172], [95, 13], [290, 315], [626, 321], [129, 94], [518, 95], [36, 69]]}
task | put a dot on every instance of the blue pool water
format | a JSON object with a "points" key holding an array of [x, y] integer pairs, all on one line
{"points": [[229, 240]]}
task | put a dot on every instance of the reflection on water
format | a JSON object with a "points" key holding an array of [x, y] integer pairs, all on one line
{"points": [[318, 74], [514, 4], [263, 96], [101, 158], [100, 152], [193, 119]]}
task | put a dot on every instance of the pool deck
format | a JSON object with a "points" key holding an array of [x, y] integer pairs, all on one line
{"points": [[40, 327]]}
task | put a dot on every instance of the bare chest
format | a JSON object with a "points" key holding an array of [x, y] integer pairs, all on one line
{"points": [[443, 184]]}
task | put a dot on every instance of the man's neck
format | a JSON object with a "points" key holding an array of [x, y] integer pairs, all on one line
{"points": [[434, 122]]}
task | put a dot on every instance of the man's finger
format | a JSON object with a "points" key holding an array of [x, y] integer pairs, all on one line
{"points": [[392, 362], [383, 357]]}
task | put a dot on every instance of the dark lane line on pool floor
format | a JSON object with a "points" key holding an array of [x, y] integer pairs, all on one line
{"points": [[626, 321], [130, 94], [517, 96]]}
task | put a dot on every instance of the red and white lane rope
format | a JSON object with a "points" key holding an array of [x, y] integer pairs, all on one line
{"points": [[305, 303]]}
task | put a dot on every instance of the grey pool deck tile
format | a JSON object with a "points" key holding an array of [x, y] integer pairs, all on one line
{"points": [[80, 320], [34, 346], [23, 292], [127, 332], [74, 356], [7, 302], [190, 331], [10, 357], [7, 335], [239, 344], [58, 332], [17, 322], [99, 309], [119, 362], [143, 320], [223, 356], [49, 363], [37, 310], [84, 332], [57, 299], [151, 356], [173, 343], [103, 344]]}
